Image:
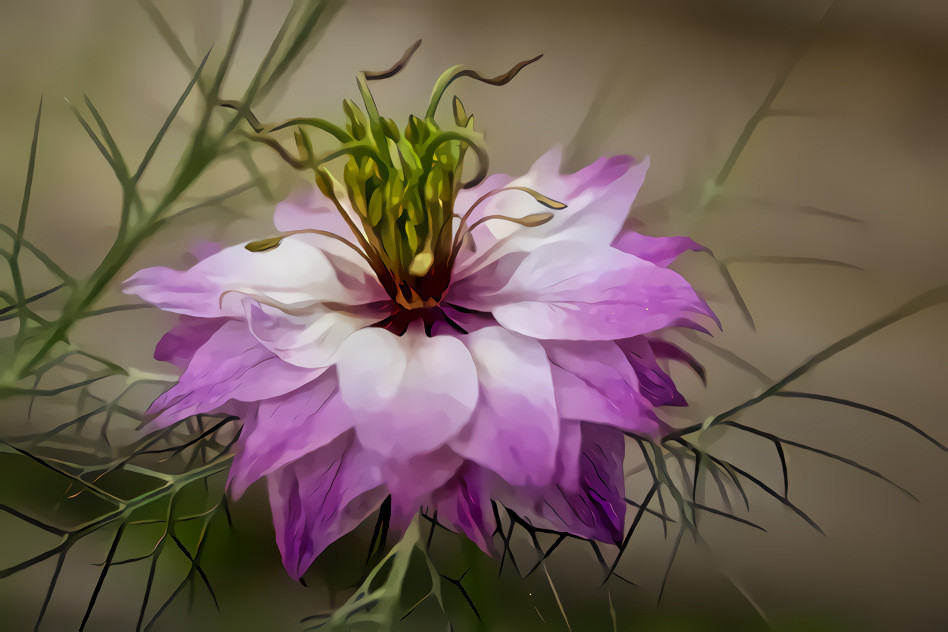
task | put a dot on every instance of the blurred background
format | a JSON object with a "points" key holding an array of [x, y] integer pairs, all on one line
{"points": [[847, 161]]}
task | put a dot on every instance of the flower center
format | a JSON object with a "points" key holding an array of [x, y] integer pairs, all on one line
{"points": [[398, 188]]}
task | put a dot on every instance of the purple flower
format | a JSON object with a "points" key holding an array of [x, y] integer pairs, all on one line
{"points": [[507, 365]]}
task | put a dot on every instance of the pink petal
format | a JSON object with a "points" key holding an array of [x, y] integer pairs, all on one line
{"points": [[179, 345], [579, 291], [594, 381], [287, 428], [230, 365], [468, 197], [412, 480], [654, 384], [598, 198], [408, 394], [463, 505], [320, 498], [593, 506], [515, 429], [659, 250]]}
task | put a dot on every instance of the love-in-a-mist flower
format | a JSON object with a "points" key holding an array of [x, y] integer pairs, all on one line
{"points": [[446, 344]]}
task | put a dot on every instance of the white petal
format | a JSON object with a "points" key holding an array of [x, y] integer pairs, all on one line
{"points": [[296, 272]]}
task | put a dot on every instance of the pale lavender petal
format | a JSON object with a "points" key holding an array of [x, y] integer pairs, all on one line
{"points": [[297, 272], [468, 197], [659, 250], [204, 249], [230, 365], [309, 338], [477, 291], [578, 291], [598, 198], [288, 427], [320, 498], [409, 394], [515, 430], [179, 345], [594, 381], [309, 210]]}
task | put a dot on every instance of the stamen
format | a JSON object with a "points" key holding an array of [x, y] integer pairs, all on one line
{"points": [[464, 230], [272, 242], [530, 221], [539, 197]]}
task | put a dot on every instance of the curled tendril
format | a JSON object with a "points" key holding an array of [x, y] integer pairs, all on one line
{"points": [[355, 149], [457, 72], [371, 109], [321, 124], [396, 68]]}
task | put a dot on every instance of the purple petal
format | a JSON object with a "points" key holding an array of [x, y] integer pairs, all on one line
{"points": [[579, 291], [287, 428], [597, 508], [668, 351], [659, 250], [594, 506], [320, 498], [179, 345], [408, 394], [463, 505], [515, 429], [412, 481], [656, 385], [475, 290], [230, 365], [595, 382]]}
